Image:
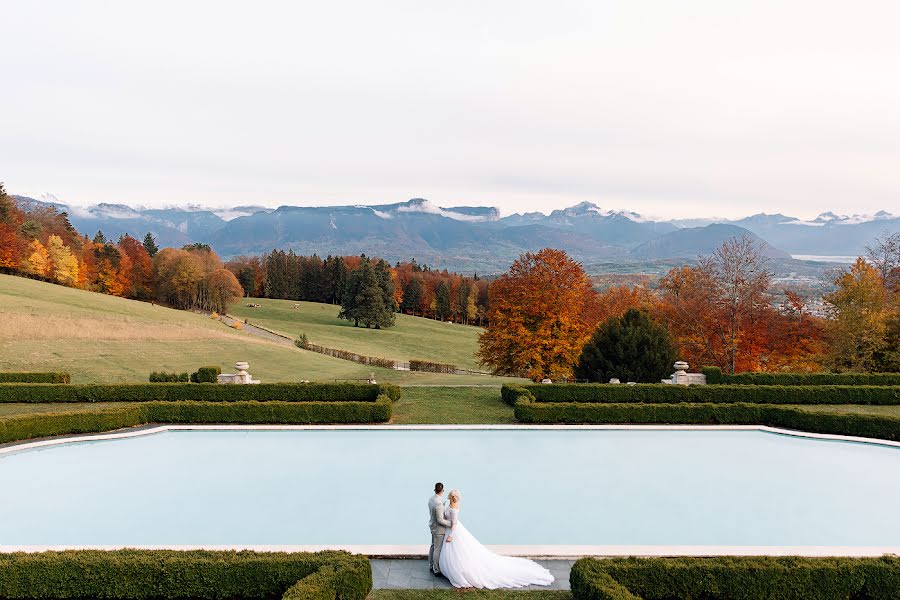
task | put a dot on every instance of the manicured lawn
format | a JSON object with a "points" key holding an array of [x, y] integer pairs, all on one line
{"points": [[104, 339], [886, 411], [473, 594], [411, 337], [12, 409], [460, 405]]}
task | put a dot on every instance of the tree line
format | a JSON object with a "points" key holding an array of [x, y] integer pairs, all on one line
{"points": [[545, 320], [42, 243], [408, 287]]}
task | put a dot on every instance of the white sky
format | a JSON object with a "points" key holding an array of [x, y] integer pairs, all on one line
{"points": [[669, 108]]}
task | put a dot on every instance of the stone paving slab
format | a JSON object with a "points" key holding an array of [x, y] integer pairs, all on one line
{"points": [[398, 573]]}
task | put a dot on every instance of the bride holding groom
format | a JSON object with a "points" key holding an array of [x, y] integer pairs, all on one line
{"points": [[457, 555]]}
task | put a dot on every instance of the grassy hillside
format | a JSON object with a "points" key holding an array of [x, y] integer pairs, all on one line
{"points": [[410, 338], [100, 338]]}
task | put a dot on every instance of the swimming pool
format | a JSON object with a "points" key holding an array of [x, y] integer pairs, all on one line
{"points": [[526, 487]]}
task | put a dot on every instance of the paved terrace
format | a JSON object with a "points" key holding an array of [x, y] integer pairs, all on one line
{"points": [[398, 573]]}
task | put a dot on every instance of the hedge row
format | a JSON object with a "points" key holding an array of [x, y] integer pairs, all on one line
{"points": [[175, 392], [667, 394], [736, 578], [94, 420], [715, 375], [862, 425], [171, 575], [34, 378]]}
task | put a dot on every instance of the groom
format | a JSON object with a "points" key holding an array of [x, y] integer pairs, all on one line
{"points": [[438, 525]]}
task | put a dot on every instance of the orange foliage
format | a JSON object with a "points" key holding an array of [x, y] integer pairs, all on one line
{"points": [[541, 314]]}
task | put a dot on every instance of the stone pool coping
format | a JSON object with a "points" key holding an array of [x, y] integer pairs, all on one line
{"points": [[23, 445], [418, 551]]}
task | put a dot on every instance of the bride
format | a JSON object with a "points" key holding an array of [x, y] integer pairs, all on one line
{"points": [[467, 563]]}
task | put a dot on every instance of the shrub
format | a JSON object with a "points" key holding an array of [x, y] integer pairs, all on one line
{"points": [[34, 378], [214, 315], [93, 420], [171, 575], [206, 374], [431, 367], [766, 577], [302, 341], [237, 325], [720, 394], [715, 375], [629, 348], [861, 425], [171, 392]]}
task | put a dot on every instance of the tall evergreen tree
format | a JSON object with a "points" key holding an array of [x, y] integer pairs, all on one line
{"points": [[442, 300], [364, 298], [150, 245], [629, 348], [412, 295], [99, 238], [247, 281], [386, 283]]}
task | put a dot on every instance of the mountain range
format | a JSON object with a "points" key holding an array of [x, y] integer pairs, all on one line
{"points": [[471, 237]]}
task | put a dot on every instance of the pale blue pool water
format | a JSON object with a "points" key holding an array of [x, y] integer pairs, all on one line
{"points": [[519, 487]]}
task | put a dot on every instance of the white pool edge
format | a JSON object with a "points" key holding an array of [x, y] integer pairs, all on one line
{"points": [[155, 429], [534, 551], [418, 551]]}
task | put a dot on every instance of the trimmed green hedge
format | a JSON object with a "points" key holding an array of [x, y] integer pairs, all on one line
{"points": [[94, 420], [715, 375], [872, 426], [736, 578], [175, 392], [721, 394], [177, 575], [34, 377]]}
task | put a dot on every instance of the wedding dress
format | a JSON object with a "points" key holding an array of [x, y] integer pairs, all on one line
{"points": [[467, 563]]}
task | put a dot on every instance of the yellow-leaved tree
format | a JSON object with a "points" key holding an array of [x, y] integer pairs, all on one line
{"points": [[38, 261], [64, 262]]}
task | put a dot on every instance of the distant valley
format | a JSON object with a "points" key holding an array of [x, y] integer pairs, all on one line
{"points": [[471, 238]]}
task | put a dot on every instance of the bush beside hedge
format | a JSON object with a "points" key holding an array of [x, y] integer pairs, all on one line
{"points": [[174, 392], [667, 394], [94, 420], [714, 375], [736, 578], [9, 377], [176, 575], [872, 426]]}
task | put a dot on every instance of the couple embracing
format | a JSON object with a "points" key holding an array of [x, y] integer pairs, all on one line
{"points": [[458, 556]]}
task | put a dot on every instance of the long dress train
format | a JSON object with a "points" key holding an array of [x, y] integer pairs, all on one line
{"points": [[467, 563]]}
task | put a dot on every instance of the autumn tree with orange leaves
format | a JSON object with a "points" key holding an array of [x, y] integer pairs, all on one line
{"points": [[542, 312]]}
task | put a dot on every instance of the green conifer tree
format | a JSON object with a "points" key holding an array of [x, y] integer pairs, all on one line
{"points": [[628, 348]]}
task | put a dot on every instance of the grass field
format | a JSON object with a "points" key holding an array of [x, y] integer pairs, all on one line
{"points": [[104, 339], [460, 405], [410, 338]]}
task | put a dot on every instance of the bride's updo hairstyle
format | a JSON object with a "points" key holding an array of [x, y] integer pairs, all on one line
{"points": [[454, 496]]}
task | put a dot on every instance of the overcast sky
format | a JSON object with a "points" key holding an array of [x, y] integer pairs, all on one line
{"points": [[668, 108]]}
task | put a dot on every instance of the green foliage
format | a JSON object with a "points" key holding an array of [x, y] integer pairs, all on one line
{"points": [[196, 574], [34, 425], [172, 392], [302, 341], [150, 245], [442, 300], [34, 378], [861, 425], [717, 394], [715, 375], [368, 297], [164, 377], [736, 578], [206, 374], [629, 348], [412, 296]]}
